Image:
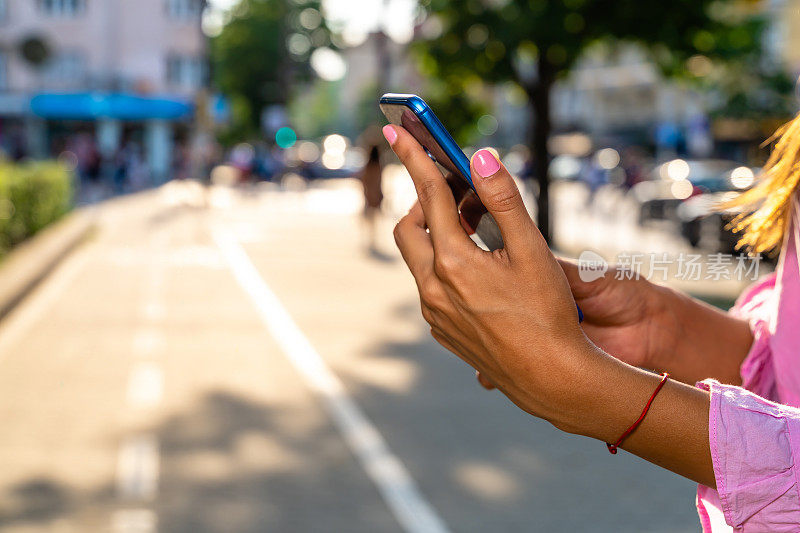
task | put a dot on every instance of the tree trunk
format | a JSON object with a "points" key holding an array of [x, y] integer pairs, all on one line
{"points": [[539, 105]]}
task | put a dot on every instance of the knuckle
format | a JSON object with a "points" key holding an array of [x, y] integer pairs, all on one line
{"points": [[446, 265], [427, 314], [428, 191], [504, 199], [431, 294], [398, 231]]}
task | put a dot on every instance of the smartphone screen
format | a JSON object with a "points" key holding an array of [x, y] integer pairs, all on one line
{"points": [[474, 216], [403, 116]]}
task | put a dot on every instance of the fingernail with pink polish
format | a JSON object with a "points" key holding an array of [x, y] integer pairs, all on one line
{"points": [[485, 163], [390, 134]]}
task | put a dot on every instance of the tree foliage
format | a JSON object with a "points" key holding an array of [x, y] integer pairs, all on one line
{"points": [[533, 42], [262, 52]]}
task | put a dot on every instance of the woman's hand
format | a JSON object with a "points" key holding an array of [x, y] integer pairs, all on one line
{"points": [[655, 327], [508, 313], [511, 316], [628, 318]]}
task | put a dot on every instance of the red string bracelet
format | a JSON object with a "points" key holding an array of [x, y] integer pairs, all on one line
{"points": [[613, 447]]}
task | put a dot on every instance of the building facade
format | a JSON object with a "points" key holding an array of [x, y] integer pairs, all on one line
{"points": [[116, 72]]}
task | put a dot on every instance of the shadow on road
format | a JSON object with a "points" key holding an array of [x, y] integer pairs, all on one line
{"points": [[486, 465], [228, 464]]}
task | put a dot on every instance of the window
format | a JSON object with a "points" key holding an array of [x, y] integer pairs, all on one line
{"points": [[67, 69], [184, 9], [185, 72], [62, 8]]}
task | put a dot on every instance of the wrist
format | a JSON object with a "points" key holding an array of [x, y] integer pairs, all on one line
{"points": [[691, 346], [607, 397], [666, 328], [574, 402]]}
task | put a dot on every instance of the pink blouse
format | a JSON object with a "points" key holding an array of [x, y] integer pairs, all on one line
{"points": [[754, 430]]}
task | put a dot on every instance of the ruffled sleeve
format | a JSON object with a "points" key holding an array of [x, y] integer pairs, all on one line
{"points": [[754, 445]]}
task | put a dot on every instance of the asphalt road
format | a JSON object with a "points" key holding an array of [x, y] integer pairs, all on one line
{"points": [[236, 362]]}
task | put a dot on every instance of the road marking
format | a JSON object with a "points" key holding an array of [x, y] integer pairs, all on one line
{"points": [[137, 468], [138, 463], [145, 385], [134, 521], [154, 311], [393, 481], [147, 341]]}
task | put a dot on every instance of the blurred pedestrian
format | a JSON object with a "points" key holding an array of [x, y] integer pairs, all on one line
{"points": [[511, 315], [371, 177], [596, 177], [632, 166], [120, 176]]}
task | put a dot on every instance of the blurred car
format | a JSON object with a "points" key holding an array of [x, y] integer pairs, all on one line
{"points": [[703, 223], [673, 182], [308, 160]]}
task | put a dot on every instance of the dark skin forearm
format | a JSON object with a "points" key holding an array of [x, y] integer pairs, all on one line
{"points": [[708, 343], [673, 434]]}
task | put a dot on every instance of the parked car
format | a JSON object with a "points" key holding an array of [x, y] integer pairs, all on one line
{"points": [[701, 220], [671, 183], [702, 223]]}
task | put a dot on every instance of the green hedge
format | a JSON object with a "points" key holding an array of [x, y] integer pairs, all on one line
{"points": [[32, 196]]}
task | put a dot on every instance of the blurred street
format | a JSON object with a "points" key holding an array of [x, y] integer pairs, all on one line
{"points": [[142, 389]]}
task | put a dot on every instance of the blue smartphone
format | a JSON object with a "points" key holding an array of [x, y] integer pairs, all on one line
{"points": [[412, 113]]}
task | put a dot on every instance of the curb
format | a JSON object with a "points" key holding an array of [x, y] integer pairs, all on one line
{"points": [[29, 263]]}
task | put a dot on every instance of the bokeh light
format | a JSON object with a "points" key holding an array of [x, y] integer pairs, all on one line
{"points": [[328, 64], [333, 160], [681, 189], [307, 151], [285, 137], [487, 125], [607, 158], [565, 167], [310, 18], [676, 170], [742, 177], [298, 44], [335, 144]]}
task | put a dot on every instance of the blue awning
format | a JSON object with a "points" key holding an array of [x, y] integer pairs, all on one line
{"points": [[88, 106]]}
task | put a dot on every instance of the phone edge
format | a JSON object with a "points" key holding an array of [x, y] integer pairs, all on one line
{"points": [[435, 126]]}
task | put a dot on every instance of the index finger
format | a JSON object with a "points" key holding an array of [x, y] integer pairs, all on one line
{"points": [[434, 194]]}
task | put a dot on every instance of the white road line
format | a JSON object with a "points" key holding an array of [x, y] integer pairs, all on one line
{"points": [[133, 521], [138, 464], [154, 311], [392, 479], [137, 468], [147, 341], [145, 386]]}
